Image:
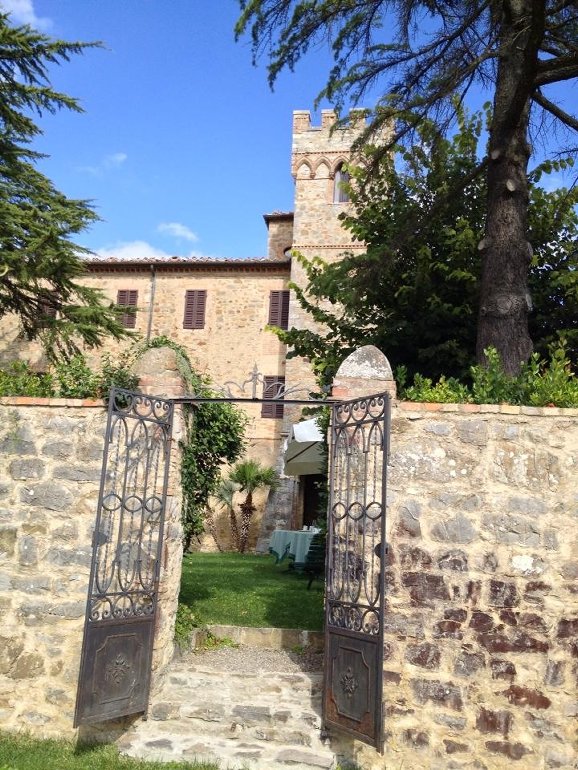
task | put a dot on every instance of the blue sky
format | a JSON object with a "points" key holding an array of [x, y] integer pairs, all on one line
{"points": [[182, 146]]}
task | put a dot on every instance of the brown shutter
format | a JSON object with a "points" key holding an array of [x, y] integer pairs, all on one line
{"points": [[46, 312], [271, 387], [195, 303], [279, 309], [127, 298]]}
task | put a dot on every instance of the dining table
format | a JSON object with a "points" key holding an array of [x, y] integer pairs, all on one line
{"points": [[291, 543]]}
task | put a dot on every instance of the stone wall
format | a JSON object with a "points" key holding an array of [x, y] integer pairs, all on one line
{"points": [[481, 619], [50, 467], [481, 623], [50, 460], [279, 234]]}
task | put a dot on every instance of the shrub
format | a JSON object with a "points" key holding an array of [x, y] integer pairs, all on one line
{"points": [[540, 383], [69, 379], [116, 375], [19, 380], [75, 379], [185, 622], [445, 391]]}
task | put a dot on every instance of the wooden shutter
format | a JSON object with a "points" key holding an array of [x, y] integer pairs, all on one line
{"points": [[128, 298], [195, 303], [46, 312], [279, 309], [271, 387]]}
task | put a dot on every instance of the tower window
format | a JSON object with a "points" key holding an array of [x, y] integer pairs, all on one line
{"points": [[195, 303], [127, 300], [341, 180], [279, 309]]}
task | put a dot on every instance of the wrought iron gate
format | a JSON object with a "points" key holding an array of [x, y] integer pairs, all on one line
{"points": [[353, 670], [115, 666]]}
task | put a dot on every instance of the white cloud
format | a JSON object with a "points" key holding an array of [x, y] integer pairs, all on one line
{"points": [[143, 250], [132, 250], [178, 230], [22, 12], [92, 170], [114, 160]]}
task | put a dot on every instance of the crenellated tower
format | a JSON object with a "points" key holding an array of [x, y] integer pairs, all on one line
{"points": [[319, 158]]}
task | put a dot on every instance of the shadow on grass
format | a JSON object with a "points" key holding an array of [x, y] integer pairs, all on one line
{"points": [[250, 590]]}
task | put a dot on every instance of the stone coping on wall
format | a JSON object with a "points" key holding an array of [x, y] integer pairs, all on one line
{"points": [[537, 411], [78, 403]]}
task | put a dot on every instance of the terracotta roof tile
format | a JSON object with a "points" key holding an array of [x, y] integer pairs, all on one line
{"points": [[96, 260]]}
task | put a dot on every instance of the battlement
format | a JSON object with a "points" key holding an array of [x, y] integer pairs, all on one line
{"points": [[328, 144], [302, 122]]}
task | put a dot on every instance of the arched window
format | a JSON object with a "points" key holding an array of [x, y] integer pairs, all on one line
{"points": [[340, 193]]}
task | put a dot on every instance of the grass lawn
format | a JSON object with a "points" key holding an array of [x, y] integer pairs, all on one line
{"points": [[20, 752], [248, 590]]}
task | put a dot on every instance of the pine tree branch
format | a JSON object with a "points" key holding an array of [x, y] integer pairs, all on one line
{"points": [[554, 70], [553, 109]]}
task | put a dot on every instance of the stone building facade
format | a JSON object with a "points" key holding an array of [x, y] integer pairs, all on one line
{"points": [[219, 310]]}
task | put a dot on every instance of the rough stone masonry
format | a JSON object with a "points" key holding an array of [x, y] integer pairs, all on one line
{"points": [[481, 622], [481, 625]]}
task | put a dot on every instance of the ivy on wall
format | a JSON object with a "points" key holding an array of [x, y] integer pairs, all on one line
{"points": [[214, 436]]}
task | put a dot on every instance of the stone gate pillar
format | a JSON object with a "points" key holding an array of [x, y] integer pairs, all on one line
{"points": [[363, 373]]}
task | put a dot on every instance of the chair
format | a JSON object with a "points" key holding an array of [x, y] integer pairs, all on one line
{"points": [[315, 559]]}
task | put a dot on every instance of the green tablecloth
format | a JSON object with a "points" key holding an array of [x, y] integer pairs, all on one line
{"points": [[287, 542]]}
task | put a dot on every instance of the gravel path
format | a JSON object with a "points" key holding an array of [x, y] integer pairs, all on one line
{"points": [[254, 659]]}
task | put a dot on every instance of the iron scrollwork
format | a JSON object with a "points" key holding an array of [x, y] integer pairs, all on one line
{"points": [[255, 387], [355, 567], [130, 511], [357, 514], [122, 600]]}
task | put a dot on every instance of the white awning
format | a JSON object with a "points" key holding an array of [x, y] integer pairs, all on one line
{"points": [[303, 455]]}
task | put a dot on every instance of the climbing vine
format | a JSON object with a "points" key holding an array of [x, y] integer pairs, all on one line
{"points": [[214, 435]]}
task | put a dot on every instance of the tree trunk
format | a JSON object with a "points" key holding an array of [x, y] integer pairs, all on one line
{"points": [[234, 529], [506, 252], [211, 526], [247, 511]]}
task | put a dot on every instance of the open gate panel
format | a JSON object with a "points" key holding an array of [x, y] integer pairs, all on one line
{"points": [[353, 671], [115, 668]]}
